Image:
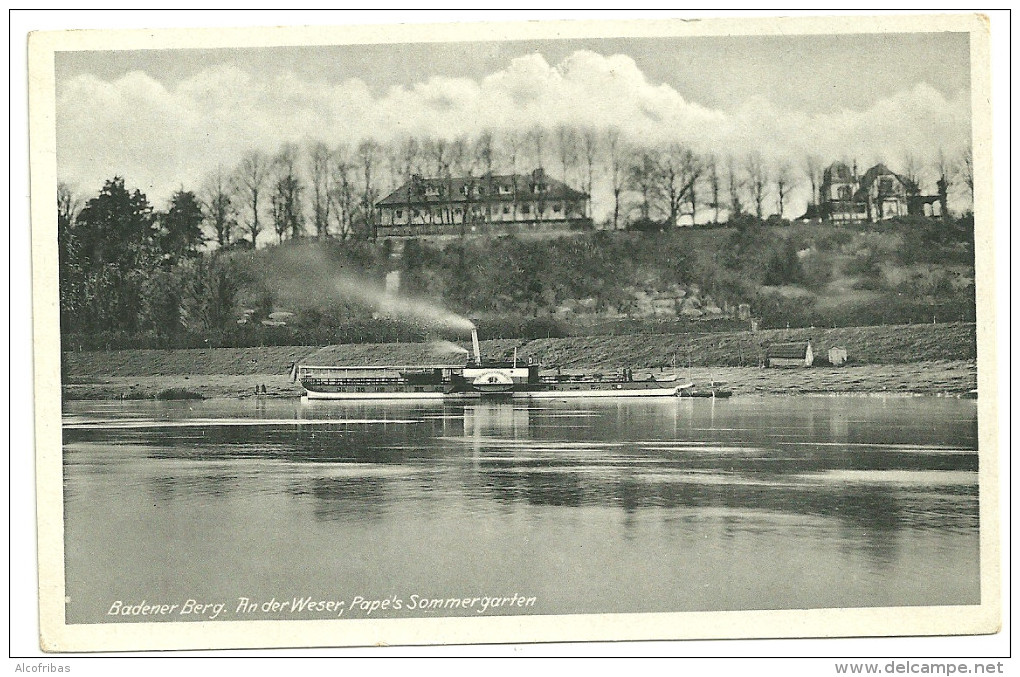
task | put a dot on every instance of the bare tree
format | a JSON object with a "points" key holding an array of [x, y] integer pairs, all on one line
{"points": [[341, 194], [512, 144], [536, 140], [218, 203], [287, 216], [643, 177], [590, 149], [566, 150], [692, 201], [392, 152], [712, 172], [411, 156], [783, 182], [677, 169], [319, 163], [617, 172], [251, 178], [813, 171], [69, 204], [965, 170], [465, 163], [944, 170], [734, 185], [485, 156], [438, 152], [368, 158], [912, 171], [757, 180], [485, 151]]}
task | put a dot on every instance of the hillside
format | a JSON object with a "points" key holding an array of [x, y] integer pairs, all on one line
{"points": [[689, 280], [866, 345]]}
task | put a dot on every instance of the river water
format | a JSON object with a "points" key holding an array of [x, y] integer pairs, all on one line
{"points": [[231, 508]]}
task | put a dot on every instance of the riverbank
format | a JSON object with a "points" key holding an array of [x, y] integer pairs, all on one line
{"points": [[924, 378], [924, 359]]}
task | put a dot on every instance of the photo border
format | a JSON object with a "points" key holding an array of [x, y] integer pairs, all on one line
{"points": [[58, 636]]}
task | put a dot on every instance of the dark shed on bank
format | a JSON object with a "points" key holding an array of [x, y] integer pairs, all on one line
{"points": [[797, 354]]}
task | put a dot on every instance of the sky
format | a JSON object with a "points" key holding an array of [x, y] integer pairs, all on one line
{"points": [[165, 119]]}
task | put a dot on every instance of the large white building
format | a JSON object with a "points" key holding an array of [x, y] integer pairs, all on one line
{"points": [[485, 204]]}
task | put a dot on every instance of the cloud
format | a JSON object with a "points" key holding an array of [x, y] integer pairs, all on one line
{"points": [[162, 138]]}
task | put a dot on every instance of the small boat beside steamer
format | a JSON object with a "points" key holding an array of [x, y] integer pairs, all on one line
{"points": [[476, 379]]}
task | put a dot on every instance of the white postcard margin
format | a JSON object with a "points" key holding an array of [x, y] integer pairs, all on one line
{"points": [[57, 636]]}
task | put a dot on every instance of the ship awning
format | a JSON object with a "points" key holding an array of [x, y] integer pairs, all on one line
{"points": [[377, 367]]}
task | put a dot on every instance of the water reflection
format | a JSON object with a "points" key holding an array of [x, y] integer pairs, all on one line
{"points": [[336, 498], [868, 487]]}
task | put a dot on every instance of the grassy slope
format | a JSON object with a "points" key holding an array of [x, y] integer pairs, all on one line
{"points": [[866, 345], [198, 361]]}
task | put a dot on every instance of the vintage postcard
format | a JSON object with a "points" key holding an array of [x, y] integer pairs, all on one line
{"points": [[514, 332]]}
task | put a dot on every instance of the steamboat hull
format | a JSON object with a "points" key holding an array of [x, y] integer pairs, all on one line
{"points": [[312, 394], [529, 391]]}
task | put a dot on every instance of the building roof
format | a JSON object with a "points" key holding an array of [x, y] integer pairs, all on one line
{"points": [[793, 351], [408, 355], [452, 190], [880, 169]]}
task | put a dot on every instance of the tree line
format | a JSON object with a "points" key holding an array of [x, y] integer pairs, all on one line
{"points": [[331, 191], [127, 267]]}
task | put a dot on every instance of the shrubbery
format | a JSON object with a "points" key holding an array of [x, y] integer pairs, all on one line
{"points": [[149, 294]]}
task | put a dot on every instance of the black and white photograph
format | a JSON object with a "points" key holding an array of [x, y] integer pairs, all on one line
{"points": [[514, 332]]}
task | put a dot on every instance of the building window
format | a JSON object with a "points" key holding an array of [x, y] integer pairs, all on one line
{"points": [[505, 190], [457, 211], [432, 190], [844, 192], [400, 213], [557, 207], [526, 209], [417, 213], [506, 209]]}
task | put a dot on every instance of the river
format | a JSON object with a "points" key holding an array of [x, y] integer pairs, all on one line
{"points": [[230, 508]]}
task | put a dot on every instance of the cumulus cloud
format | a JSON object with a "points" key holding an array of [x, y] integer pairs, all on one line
{"points": [[162, 138]]}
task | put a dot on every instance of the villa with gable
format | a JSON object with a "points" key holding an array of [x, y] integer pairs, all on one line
{"points": [[878, 195], [487, 204]]}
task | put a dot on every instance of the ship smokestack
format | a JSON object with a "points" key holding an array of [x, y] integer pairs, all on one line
{"points": [[474, 345]]}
